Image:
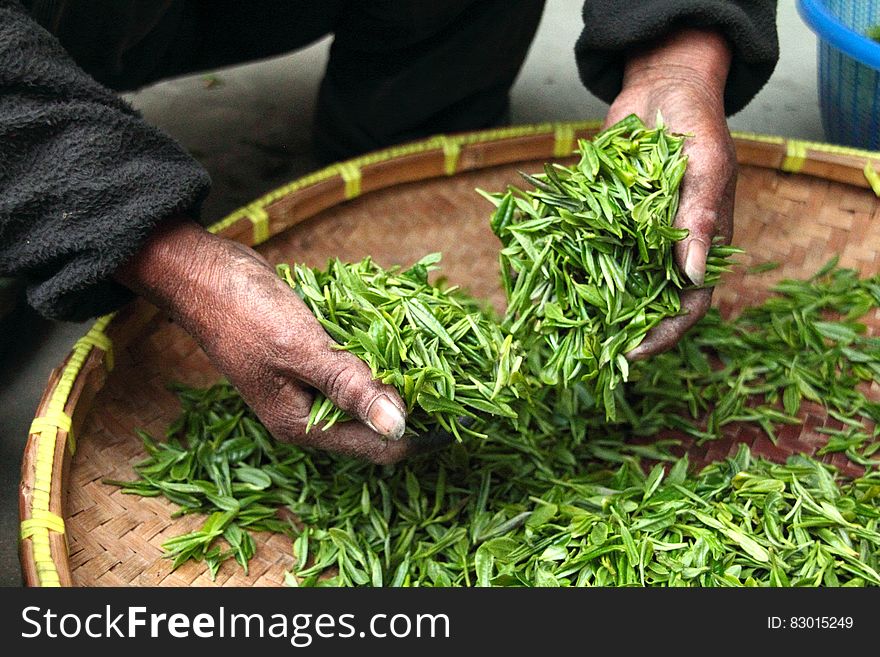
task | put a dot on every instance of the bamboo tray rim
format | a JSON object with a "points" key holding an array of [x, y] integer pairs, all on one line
{"points": [[51, 440]]}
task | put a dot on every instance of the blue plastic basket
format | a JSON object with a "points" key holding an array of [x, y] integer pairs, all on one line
{"points": [[849, 69]]}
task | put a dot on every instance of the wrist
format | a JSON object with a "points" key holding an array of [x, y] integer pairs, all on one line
{"points": [[169, 268], [699, 56]]}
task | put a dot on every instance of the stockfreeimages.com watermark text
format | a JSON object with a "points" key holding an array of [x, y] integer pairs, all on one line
{"points": [[299, 629]]}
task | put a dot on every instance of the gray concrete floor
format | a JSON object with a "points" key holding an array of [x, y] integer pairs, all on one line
{"points": [[251, 131]]}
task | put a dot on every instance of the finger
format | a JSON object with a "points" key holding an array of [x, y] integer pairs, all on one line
{"points": [[668, 332], [706, 204], [623, 106], [351, 438], [287, 416], [615, 114], [359, 441], [347, 381], [301, 350], [289, 347]]}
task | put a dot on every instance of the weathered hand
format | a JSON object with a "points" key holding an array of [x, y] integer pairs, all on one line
{"points": [[265, 340], [683, 77]]}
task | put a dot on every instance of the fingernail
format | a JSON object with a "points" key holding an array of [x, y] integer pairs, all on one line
{"points": [[695, 261], [386, 418]]}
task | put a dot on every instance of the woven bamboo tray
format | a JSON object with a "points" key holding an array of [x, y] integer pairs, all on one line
{"points": [[797, 203]]}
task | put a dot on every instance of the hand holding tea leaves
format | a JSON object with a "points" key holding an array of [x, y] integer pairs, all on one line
{"points": [[588, 263], [266, 341], [445, 353], [683, 77]]}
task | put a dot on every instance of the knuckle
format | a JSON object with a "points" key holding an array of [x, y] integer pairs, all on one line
{"points": [[246, 256], [285, 412], [730, 167], [292, 430], [285, 351], [387, 453], [703, 225], [339, 382]]}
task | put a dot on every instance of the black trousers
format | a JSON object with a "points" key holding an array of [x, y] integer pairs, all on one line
{"points": [[398, 69]]}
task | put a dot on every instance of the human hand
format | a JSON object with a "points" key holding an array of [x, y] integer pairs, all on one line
{"points": [[683, 77], [265, 340]]}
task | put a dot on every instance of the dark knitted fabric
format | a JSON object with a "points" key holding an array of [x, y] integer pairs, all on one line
{"points": [[83, 179], [613, 28]]}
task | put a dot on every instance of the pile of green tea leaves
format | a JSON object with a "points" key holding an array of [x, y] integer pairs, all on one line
{"points": [[804, 344], [528, 510], [587, 260], [543, 506], [444, 352]]}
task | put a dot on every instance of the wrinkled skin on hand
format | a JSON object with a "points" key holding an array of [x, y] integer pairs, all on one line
{"points": [[266, 341], [683, 77]]}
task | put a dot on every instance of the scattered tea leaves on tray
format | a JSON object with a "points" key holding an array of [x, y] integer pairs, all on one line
{"points": [[541, 506], [445, 354], [804, 344], [512, 510], [763, 267], [587, 261]]}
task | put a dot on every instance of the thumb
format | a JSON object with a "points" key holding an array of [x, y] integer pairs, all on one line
{"points": [[705, 208], [347, 381]]}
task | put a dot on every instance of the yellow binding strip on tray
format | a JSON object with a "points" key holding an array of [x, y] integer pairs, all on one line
{"points": [[835, 149], [563, 144], [225, 222], [795, 156], [872, 177], [46, 430], [260, 220], [512, 132], [563, 134], [54, 420], [353, 166], [764, 139], [351, 174], [42, 520], [451, 150], [97, 338]]}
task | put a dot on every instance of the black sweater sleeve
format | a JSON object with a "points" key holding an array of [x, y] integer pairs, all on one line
{"points": [[614, 27], [83, 179]]}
